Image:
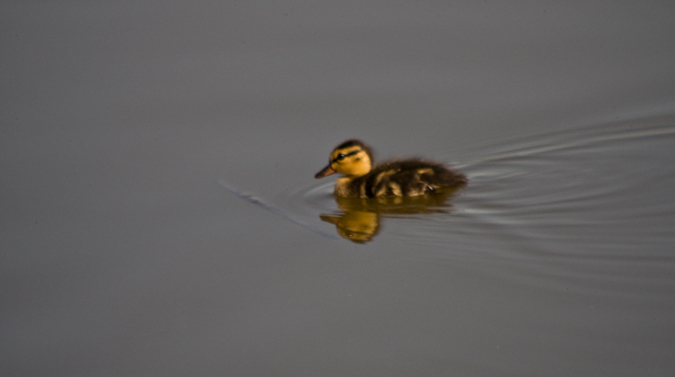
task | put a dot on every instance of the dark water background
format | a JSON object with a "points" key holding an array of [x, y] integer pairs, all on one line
{"points": [[121, 255]]}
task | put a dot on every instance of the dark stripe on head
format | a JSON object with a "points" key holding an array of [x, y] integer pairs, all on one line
{"points": [[341, 156]]}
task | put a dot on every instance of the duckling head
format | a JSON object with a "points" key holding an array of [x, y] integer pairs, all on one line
{"points": [[352, 158]]}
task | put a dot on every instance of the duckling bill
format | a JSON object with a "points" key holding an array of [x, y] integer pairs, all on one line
{"points": [[409, 177]]}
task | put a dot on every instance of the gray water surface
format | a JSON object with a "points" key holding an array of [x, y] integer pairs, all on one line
{"points": [[120, 254]]}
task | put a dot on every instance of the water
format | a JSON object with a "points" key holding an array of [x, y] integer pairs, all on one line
{"points": [[591, 182], [120, 254]]}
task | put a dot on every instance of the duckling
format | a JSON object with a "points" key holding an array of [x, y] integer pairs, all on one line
{"points": [[410, 177]]}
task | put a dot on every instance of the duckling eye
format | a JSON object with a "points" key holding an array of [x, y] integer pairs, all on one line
{"points": [[342, 156]]}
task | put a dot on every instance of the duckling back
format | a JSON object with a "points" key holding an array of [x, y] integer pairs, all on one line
{"points": [[407, 178]]}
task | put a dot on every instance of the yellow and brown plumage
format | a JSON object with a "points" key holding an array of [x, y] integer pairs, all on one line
{"points": [[410, 177]]}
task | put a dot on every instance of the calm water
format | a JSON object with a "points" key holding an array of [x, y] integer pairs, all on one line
{"points": [[120, 254]]}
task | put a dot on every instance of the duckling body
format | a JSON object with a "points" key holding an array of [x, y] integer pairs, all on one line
{"points": [[410, 177]]}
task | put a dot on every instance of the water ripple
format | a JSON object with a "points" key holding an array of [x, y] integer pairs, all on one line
{"points": [[573, 193]]}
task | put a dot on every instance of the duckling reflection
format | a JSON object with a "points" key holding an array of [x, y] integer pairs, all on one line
{"points": [[356, 226], [359, 219]]}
